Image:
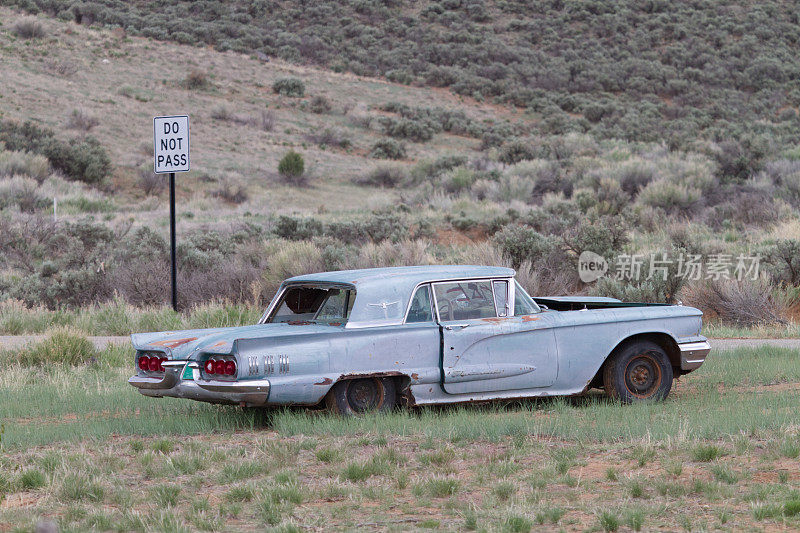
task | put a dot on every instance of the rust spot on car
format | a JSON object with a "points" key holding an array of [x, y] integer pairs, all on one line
{"points": [[387, 374], [335, 323], [414, 376], [173, 343], [496, 319], [325, 381], [529, 318], [298, 322], [218, 344]]}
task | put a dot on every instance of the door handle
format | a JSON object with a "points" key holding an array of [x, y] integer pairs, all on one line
{"points": [[459, 326]]}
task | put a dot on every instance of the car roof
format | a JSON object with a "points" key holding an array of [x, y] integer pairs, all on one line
{"points": [[383, 294], [407, 275]]}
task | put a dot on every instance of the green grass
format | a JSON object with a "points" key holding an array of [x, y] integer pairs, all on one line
{"points": [[58, 403]]}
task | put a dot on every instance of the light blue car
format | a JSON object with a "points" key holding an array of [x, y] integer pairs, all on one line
{"points": [[368, 340]]}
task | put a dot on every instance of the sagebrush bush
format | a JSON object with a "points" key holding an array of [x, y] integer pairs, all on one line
{"points": [[671, 197], [80, 119], [516, 151], [319, 105], [231, 191], [383, 176], [289, 87], [22, 192], [330, 137], [522, 243], [29, 28], [150, 182], [79, 159], [744, 303], [24, 164], [388, 149], [403, 128], [783, 260], [197, 80]]}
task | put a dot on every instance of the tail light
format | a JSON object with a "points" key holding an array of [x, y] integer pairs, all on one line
{"points": [[152, 363], [218, 366]]}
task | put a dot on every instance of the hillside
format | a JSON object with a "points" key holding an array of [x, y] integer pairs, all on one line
{"points": [[395, 173], [646, 71]]}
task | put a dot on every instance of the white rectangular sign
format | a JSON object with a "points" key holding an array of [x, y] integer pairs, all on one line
{"points": [[171, 144]]}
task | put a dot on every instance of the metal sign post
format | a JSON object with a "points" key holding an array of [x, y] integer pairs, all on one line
{"points": [[171, 155]]}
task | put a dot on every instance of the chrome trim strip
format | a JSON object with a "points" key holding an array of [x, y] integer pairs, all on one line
{"points": [[250, 386], [172, 376], [693, 354]]}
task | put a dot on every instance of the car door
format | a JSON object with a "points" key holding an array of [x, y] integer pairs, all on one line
{"points": [[485, 349]]}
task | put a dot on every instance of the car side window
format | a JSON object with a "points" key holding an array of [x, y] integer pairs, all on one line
{"points": [[465, 300], [501, 297], [420, 310]]}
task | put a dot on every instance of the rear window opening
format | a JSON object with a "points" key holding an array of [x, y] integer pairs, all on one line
{"points": [[318, 305]]}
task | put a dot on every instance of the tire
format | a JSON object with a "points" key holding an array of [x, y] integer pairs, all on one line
{"points": [[358, 396], [639, 371]]}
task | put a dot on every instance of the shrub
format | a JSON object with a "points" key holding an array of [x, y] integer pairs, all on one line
{"points": [[522, 243], [403, 128], [783, 260], [79, 159], [289, 87], [515, 151], [231, 191], [197, 80], [25, 164], [292, 168], [29, 28], [383, 176], [319, 105], [669, 196], [743, 303], [330, 137], [266, 120], [737, 161], [81, 120], [388, 149], [150, 182], [83, 160], [605, 236], [23, 193]]}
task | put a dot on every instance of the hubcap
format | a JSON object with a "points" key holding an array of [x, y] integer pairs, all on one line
{"points": [[365, 395], [643, 376]]}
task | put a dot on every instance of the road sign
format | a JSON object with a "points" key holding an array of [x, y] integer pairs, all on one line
{"points": [[171, 155], [171, 144]]}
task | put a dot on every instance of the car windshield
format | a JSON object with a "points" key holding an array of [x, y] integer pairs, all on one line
{"points": [[523, 304], [314, 304]]}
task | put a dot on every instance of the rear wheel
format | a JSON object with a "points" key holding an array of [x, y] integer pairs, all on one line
{"points": [[357, 396], [639, 371]]}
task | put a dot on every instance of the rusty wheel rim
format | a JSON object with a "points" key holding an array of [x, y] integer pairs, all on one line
{"points": [[643, 375], [365, 395]]}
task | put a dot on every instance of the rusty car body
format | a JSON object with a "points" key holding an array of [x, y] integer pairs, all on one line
{"points": [[363, 340]]}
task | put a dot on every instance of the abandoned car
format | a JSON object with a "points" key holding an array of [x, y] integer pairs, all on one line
{"points": [[368, 340]]}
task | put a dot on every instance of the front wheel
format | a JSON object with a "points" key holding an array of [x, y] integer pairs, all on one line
{"points": [[639, 371], [357, 396]]}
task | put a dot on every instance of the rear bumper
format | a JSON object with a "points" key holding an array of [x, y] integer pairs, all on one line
{"points": [[250, 393], [693, 354]]}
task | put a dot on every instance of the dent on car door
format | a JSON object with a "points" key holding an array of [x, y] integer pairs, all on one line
{"points": [[486, 350]]}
